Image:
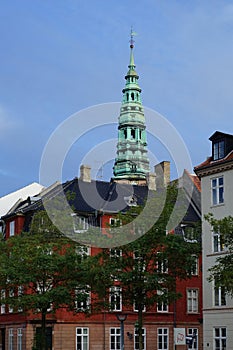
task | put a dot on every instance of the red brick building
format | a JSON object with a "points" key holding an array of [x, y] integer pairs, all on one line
{"points": [[102, 330]]}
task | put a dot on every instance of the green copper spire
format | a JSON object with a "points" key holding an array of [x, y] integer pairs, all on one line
{"points": [[131, 164]]}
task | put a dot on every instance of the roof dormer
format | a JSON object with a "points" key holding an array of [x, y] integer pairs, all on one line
{"points": [[222, 145]]}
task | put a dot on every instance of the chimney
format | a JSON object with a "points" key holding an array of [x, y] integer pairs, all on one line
{"points": [[151, 181], [85, 173], [162, 171]]}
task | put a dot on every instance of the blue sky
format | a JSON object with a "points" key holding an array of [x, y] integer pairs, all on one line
{"points": [[58, 57]]}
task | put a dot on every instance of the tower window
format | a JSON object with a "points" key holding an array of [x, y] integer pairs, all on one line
{"points": [[132, 133], [127, 96], [125, 134], [132, 96]]}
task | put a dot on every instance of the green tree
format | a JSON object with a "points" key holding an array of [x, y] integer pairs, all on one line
{"points": [[147, 269], [41, 271], [222, 272]]}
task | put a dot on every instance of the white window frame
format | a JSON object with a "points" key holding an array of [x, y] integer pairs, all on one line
{"points": [[114, 338], [192, 300], [218, 243], [3, 306], [20, 293], [220, 339], [80, 223], [195, 267], [162, 264], [162, 338], [115, 298], [83, 251], [10, 338], [218, 149], [219, 296], [135, 308], [162, 306], [83, 305], [115, 253], [190, 333], [12, 228], [11, 295], [141, 264], [20, 339], [114, 223], [217, 190], [136, 339], [83, 334]]}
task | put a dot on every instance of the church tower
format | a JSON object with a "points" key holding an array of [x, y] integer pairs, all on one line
{"points": [[132, 163]]}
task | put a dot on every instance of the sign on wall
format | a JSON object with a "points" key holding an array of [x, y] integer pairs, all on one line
{"points": [[179, 336]]}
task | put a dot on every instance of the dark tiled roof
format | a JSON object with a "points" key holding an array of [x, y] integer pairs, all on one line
{"points": [[106, 197], [88, 197]]}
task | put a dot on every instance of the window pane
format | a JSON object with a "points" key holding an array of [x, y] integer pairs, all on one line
{"points": [[214, 182], [221, 200], [214, 192], [220, 179]]}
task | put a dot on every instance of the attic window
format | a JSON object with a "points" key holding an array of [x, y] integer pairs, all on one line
{"points": [[12, 228], [218, 150]]}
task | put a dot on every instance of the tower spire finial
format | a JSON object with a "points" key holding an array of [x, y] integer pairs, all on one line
{"points": [[132, 34], [131, 62]]}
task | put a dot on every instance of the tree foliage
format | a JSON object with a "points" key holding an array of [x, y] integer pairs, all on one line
{"points": [[147, 268], [41, 271], [222, 272]]}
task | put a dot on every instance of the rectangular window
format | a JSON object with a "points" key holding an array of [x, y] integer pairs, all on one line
{"points": [[162, 263], [217, 186], [115, 338], [3, 305], [162, 338], [218, 150], [136, 339], [140, 263], [83, 300], [12, 228], [219, 296], [83, 251], [192, 300], [114, 222], [19, 339], [220, 338], [11, 295], [82, 338], [80, 223], [115, 253], [194, 267], [115, 298], [11, 339], [193, 332], [162, 305], [20, 294], [136, 307], [218, 242]]}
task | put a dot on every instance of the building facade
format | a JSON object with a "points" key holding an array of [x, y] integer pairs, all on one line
{"points": [[216, 175], [101, 330], [129, 186]]}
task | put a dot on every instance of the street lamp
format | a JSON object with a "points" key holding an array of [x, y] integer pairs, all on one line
{"points": [[122, 318]]}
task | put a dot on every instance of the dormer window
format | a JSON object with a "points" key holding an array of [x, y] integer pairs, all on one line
{"points": [[218, 149]]}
